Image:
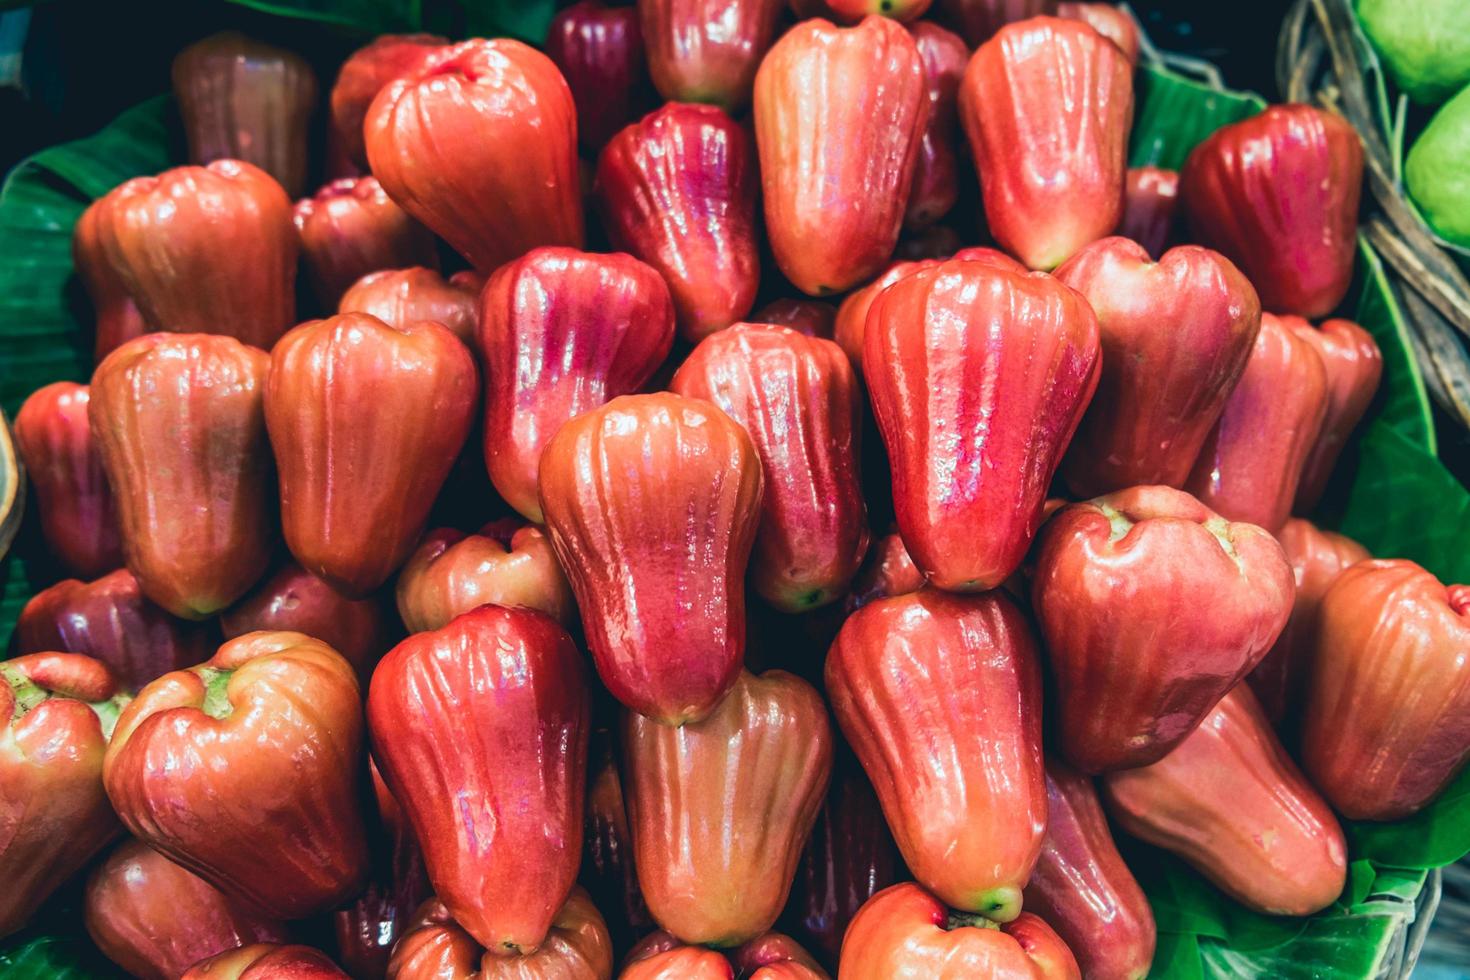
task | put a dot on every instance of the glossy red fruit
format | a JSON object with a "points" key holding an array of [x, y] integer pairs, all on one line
{"points": [[155, 919], [836, 172], [57, 711], [1316, 557], [888, 571], [775, 957], [940, 697], [266, 961], [720, 808], [1082, 888], [366, 421], [707, 50], [936, 170], [110, 620], [267, 731], [117, 317], [1278, 193], [245, 100], [608, 871], [811, 317], [1232, 803], [350, 228], [677, 190], [400, 297], [1109, 20], [1176, 335], [1251, 463], [1150, 208], [978, 377], [652, 502], [599, 50], [480, 729], [178, 422], [190, 243], [562, 332], [453, 141], [364, 74], [1354, 367], [451, 573], [1387, 725], [676, 962], [799, 400], [78, 517], [977, 20]]}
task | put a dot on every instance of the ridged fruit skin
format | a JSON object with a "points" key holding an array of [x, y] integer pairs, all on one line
{"points": [[57, 712], [193, 242], [561, 333], [978, 377], [364, 74], [652, 502], [268, 731], [798, 399], [1280, 679], [297, 601], [707, 50], [78, 517], [155, 919], [400, 297], [480, 730], [349, 228], [1082, 888], [904, 931], [1278, 193], [721, 808], [608, 872], [117, 317], [677, 190], [266, 961], [1230, 801], [109, 619], [677, 962], [1387, 721], [1176, 335], [245, 100], [1137, 661], [599, 50], [366, 421], [940, 697], [436, 947], [1252, 461], [888, 571], [1150, 208], [453, 142], [178, 422], [977, 20], [1109, 20], [1354, 367], [836, 172], [936, 184], [1047, 105], [774, 956], [507, 563], [806, 316]]}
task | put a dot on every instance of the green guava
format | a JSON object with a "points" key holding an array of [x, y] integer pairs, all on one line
{"points": [[1437, 171], [1424, 44]]}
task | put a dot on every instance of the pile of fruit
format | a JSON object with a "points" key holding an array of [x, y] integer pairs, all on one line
{"points": [[533, 612]]}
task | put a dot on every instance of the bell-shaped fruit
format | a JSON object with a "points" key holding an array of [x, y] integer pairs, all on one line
{"points": [[799, 401], [1150, 208], [112, 621], [978, 377], [888, 571], [940, 697], [811, 317], [721, 808], [1231, 802], [904, 931], [937, 170], [179, 425], [1082, 888], [1109, 20], [453, 572], [1278, 194], [350, 228], [266, 961], [155, 919], [837, 170], [78, 517], [245, 100], [1136, 658], [453, 142], [365, 73], [480, 729], [1176, 335], [1354, 367], [267, 732], [608, 871], [117, 317], [775, 957], [599, 50], [977, 20], [1251, 462], [366, 421], [205, 250], [57, 711], [677, 190], [653, 502], [1048, 104], [400, 297], [1387, 722], [675, 961], [707, 50], [562, 332]]}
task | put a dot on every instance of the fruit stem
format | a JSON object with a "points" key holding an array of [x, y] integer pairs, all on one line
{"points": [[216, 692]]}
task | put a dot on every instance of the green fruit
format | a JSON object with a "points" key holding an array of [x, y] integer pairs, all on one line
{"points": [[1425, 44], [1437, 171]]}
